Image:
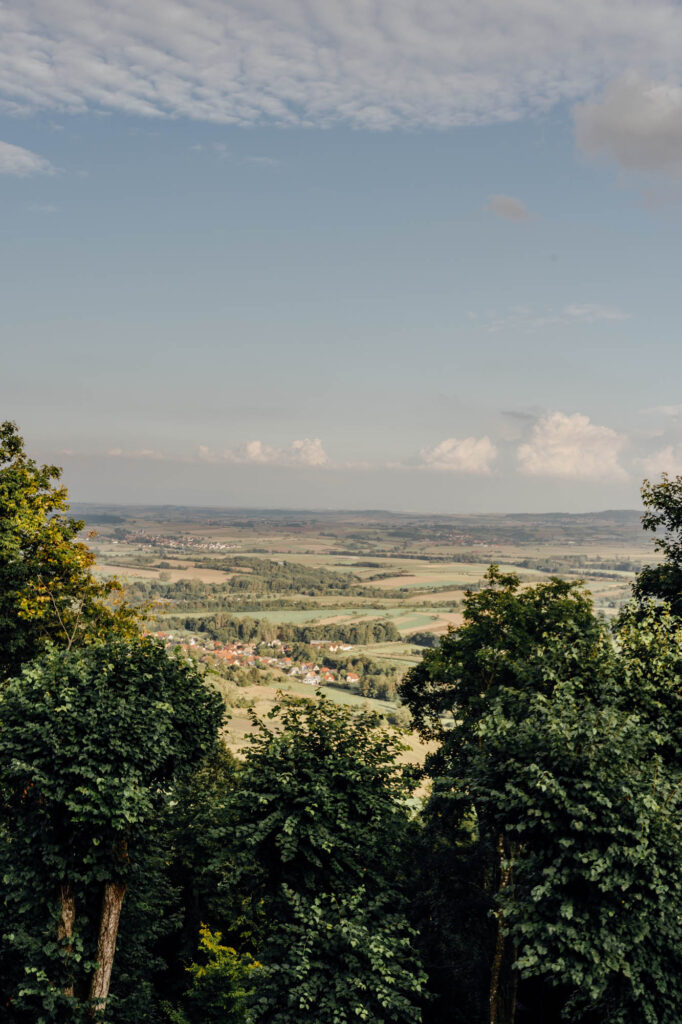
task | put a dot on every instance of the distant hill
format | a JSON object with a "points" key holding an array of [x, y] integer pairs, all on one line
{"points": [[608, 526]]}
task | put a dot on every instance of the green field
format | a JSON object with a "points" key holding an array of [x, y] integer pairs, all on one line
{"points": [[418, 557]]}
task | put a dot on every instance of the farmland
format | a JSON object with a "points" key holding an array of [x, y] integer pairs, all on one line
{"points": [[331, 566], [380, 583]]}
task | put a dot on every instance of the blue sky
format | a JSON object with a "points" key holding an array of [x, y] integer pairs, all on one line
{"points": [[387, 255]]}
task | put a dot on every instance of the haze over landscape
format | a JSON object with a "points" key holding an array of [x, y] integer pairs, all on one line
{"points": [[421, 258]]}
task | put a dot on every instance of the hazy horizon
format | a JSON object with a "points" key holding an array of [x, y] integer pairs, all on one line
{"points": [[81, 508]]}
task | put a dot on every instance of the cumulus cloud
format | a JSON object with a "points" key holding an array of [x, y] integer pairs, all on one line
{"points": [[375, 64], [667, 460], [470, 455], [306, 453], [138, 453], [573, 448], [22, 162], [636, 122], [507, 207]]}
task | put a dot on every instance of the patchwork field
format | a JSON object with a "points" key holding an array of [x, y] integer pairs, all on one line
{"points": [[381, 582]]}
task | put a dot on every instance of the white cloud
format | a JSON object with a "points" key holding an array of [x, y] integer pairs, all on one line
{"points": [[667, 411], [573, 448], [470, 455], [636, 122], [22, 162], [508, 207], [306, 453], [371, 63], [667, 460], [592, 313], [262, 161]]}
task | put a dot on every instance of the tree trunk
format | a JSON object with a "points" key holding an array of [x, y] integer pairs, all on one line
{"points": [[502, 984], [112, 901], [66, 923]]}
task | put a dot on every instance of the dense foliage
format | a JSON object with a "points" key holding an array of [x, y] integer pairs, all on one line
{"points": [[663, 517], [92, 744], [255, 581], [555, 815], [47, 590], [319, 834], [227, 628]]}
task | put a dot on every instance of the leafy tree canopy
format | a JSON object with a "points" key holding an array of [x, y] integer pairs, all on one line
{"points": [[92, 743], [47, 588], [590, 832], [663, 517], [317, 855], [515, 641], [321, 795]]}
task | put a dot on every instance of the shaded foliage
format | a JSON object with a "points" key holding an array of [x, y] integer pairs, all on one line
{"points": [[663, 517], [92, 742]]}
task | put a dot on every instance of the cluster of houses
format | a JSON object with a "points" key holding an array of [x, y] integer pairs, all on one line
{"points": [[320, 675], [187, 541], [244, 655]]}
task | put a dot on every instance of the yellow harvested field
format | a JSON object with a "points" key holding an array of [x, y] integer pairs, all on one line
{"points": [[443, 623], [333, 620], [443, 595]]}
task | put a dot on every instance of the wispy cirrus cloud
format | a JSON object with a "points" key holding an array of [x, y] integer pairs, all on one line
{"points": [[529, 318], [377, 64]]}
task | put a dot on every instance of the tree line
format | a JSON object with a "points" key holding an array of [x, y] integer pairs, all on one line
{"points": [[227, 628], [280, 589], [264, 576], [535, 875]]}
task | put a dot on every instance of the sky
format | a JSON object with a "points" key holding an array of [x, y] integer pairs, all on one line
{"points": [[407, 254]]}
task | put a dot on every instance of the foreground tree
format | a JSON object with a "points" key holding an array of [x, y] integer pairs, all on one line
{"points": [[555, 815], [590, 857], [47, 589], [515, 644], [316, 853], [663, 517], [93, 743]]}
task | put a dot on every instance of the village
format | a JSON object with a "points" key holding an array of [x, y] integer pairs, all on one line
{"points": [[182, 542], [246, 655]]}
